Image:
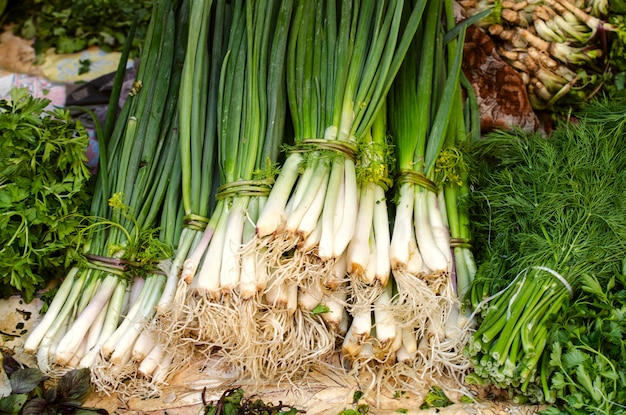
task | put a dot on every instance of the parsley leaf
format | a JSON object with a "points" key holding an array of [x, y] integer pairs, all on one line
{"points": [[44, 192]]}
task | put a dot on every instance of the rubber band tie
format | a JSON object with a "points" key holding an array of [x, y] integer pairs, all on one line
{"points": [[385, 183], [460, 243], [195, 222], [244, 188], [558, 277], [417, 178], [338, 146]]}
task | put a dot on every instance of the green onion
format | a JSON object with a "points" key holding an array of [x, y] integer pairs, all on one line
{"points": [[335, 66], [341, 62], [198, 137], [421, 105], [245, 143], [122, 248], [223, 276]]}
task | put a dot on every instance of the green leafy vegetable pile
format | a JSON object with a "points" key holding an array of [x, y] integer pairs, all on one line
{"points": [[233, 402], [73, 25], [588, 354], [550, 215], [43, 190], [32, 393]]}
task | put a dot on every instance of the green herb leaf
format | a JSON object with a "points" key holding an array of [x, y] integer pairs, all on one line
{"points": [[320, 309], [44, 194], [12, 404], [25, 380], [436, 398], [75, 385], [85, 66], [574, 358], [358, 394]]}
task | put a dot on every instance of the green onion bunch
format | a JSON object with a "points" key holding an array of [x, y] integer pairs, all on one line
{"points": [[223, 277], [420, 113], [95, 319], [303, 160], [401, 329], [342, 58]]}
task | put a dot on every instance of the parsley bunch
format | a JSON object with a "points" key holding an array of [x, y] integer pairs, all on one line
{"points": [[587, 359], [43, 190]]}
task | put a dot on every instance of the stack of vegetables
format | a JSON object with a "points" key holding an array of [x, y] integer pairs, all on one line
{"points": [[360, 247], [550, 216], [276, 276], [560, 47]]}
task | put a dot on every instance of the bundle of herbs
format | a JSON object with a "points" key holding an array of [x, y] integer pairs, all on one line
{"points": [[43, 191], [550, 216], [32, 392]]}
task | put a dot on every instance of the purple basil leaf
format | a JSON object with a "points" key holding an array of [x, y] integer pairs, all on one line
{"points": [[75, 385], [25, 380], [10, 364], [35, 406]]}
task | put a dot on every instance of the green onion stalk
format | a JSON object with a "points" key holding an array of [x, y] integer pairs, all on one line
{"points": [[341, 61], [421, 105], [368, 266], [548, 221], [454, 170], [225, 278], [368, 250], [346, 295], [134, 339], [122, 251], [205, 48], [197, 108]]}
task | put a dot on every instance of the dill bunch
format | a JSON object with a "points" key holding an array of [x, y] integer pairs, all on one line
{"points": [[549, 218]]}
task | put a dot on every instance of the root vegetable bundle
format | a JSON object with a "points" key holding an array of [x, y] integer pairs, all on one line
{"points": [[560, 47]]}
